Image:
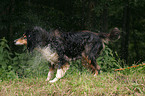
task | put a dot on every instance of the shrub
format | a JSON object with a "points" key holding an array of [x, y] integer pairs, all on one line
{"points": [[30, 65], [109, 61], [6, 69]]}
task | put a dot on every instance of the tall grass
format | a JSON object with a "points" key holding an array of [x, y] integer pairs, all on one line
{"points": [[77, 84]]}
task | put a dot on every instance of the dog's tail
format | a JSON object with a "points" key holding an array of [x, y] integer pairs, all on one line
{"points": [[112, 36]]}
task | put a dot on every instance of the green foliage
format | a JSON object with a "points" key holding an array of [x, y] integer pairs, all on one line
{"points": [[21, 65], [71, 15], [108, 61], [6, 68], [30, 65]]}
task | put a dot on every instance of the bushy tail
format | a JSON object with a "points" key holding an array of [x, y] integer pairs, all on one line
{"points": [[113, 35]]}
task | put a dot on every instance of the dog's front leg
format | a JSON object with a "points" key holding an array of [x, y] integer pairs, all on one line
{"points": [[60, 72], [50, 73]]}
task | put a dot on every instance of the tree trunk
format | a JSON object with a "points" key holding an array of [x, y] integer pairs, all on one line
{"points": [[104, 19], [136, 46], [125, 33], [91, 16], [10, 25]]}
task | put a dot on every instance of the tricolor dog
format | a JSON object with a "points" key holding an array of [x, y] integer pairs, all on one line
{"points": [[60, 47]]}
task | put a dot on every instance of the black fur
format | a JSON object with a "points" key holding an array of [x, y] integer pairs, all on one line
{"points": [[70, 44]]}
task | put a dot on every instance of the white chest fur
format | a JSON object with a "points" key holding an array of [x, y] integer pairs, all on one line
{"points": [[49, 54]]}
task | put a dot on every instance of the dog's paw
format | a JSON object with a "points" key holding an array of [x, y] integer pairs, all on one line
{"points": [[54, 80]]}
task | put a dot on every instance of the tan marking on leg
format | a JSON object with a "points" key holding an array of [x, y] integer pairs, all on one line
{"points": [[84, 63], [95, 70], [96, 73], [87, 63], [98, 67], [60, 73], [50, 74]]}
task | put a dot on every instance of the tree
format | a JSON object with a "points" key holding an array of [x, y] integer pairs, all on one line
{"points": [[126, 31]]}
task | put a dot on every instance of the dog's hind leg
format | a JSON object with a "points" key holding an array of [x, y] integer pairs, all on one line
{"points": [[60, 72], [94, 66], [91, 64], [50, 73], [93, 56], [90, 55]]}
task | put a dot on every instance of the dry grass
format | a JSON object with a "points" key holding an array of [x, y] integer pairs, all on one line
{"points": [[105, 84]]}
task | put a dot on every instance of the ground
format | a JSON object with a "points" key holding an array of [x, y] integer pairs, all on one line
{"points": [[118, 83]]}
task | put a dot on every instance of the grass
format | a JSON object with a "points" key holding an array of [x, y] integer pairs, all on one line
{"points": [[75, 83]]}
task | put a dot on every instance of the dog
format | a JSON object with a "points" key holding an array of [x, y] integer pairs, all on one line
{"points": [[60, 47]]}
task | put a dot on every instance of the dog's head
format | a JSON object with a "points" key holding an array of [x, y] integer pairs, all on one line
{"points": [[32, 38], [21, 41]]}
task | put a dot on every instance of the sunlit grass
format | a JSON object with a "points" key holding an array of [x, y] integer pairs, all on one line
{"points": [[76, 83]]}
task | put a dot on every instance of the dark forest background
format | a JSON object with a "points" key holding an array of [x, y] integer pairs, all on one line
{"points": [[74, 15]]}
